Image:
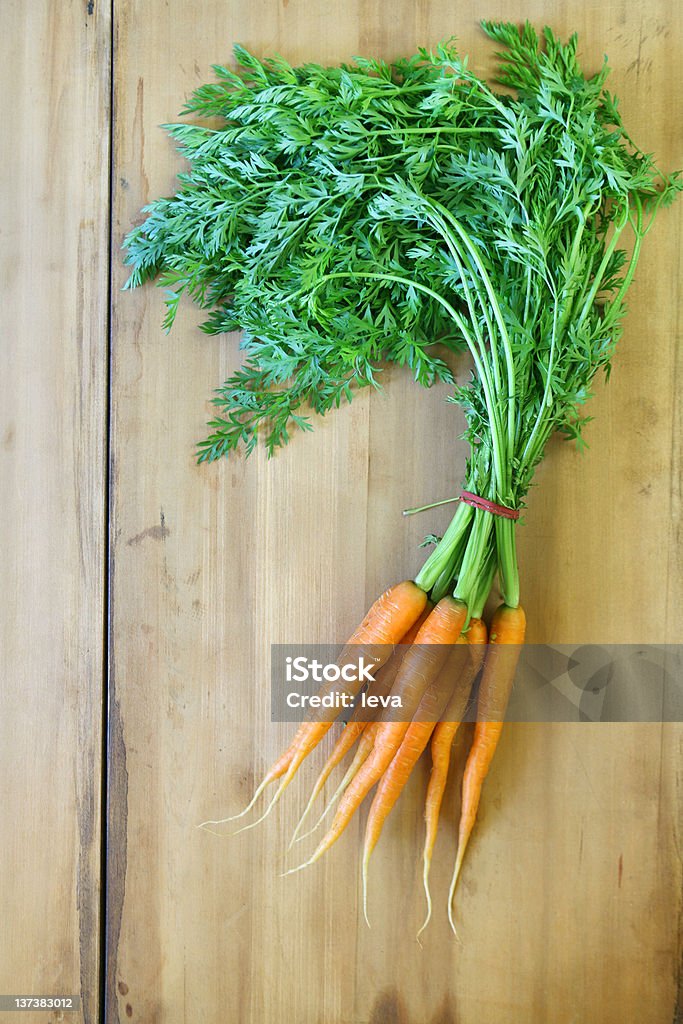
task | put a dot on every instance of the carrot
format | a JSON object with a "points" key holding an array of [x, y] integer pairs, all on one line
{"points": [[437, 696], [442, 741], [389, 618], [363, 751], [361, 718], [422, 663], [506, 636], [367, 739]]}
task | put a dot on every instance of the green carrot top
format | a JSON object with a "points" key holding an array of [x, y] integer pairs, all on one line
{"points": [[350, 216]]}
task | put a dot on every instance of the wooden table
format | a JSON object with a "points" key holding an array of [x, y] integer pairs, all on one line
{"points": [[141, 592]]}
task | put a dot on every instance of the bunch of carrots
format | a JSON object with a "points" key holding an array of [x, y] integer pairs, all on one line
{"points": [[429, 657], [345, 217]]}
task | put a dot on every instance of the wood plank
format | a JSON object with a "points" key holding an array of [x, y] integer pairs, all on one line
{"points": [[571, 898], [54, 239]]}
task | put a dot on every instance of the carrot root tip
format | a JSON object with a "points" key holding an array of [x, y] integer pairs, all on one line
{"points": [[293, 871], [295, 834], [329, 805], [204, 827], [451, 891], [428, 897], [451, 921], [305, 835], [311, 860], [257, 793], [307, 809], [366, 861], [278, 793]]}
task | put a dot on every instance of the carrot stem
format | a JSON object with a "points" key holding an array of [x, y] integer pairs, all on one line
{"points": [[433, 504]]}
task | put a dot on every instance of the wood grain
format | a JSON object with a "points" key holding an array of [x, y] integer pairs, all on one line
{"points": [[571, 899], [54, 248]]}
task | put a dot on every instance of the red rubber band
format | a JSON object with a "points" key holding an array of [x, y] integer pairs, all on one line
{"points": [[489, 506]]}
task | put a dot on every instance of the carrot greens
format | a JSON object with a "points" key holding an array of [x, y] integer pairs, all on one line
{"points": [[343, 218]]}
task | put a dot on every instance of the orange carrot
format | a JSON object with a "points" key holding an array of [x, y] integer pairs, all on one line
{"points": [[363, 751], [389, 619], [422, 663], [451, 681], [506, 636], [361, 718], [442, 741]]}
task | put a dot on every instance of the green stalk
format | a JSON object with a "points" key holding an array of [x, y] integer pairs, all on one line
{"points": [[474, 560], [508, 571], [442, 586], [545, 401], [505, 340], [442, 557], [607, 255], [451, 129], [481, 596], [445, 583], [525, 472], [461, 258], [615, 305], [432, 504]]}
